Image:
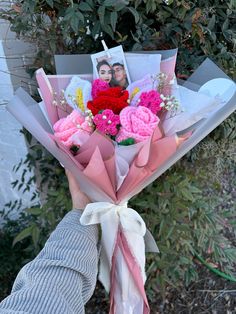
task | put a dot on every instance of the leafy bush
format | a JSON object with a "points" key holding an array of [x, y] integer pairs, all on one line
{"points": [[12, 259], [180, 210], [177, 207], [198, 28]]}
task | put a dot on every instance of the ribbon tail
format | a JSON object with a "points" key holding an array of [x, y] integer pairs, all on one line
{"points": [[110, 231], [127, 294]]}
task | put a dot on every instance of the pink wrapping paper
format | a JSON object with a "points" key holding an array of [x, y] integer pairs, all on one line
{"points": [[104, 144], [99, 153], [168, 67], [159, 152], [122, 244], [96, 171], [97, 162], [54, 112]]}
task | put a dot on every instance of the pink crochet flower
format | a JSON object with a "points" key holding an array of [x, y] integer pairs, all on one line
{"points": [[98, 86], [137, 123], [107, 122], [151, 100], [75, 129]]}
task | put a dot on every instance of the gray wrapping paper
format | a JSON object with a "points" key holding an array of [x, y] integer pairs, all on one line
{"points": [[82, 64]]}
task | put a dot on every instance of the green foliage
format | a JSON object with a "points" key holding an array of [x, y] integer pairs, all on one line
{"points": [[183, 221], [180, 207], [12, 259], [54, 194], [198, 28]]}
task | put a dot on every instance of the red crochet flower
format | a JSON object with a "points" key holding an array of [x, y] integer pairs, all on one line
{"points": [[115, 98]]}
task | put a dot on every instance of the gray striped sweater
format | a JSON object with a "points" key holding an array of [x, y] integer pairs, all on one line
{"points": [[62, 278]]}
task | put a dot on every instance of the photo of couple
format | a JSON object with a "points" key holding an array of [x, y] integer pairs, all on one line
{"points": [[111, 67], [114, 74]]}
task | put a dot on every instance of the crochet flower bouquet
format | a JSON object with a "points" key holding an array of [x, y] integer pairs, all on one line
{"points": [[116, 141]]}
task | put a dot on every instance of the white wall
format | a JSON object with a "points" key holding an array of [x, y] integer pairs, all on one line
{"points": [[13, 54]]}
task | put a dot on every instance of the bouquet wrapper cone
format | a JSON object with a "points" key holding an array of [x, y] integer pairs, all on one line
{"points": [[124, 234], [27, 111]]}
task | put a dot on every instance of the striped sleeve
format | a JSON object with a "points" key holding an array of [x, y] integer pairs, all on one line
{"points": [[62, 278]]}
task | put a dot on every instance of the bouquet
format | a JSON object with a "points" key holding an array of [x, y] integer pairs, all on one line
{"points": [[117, 133]]}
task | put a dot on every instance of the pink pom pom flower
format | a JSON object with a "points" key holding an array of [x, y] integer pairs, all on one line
{"points": [[107, 122], [137, 123], [98, 86], [151, 100]]}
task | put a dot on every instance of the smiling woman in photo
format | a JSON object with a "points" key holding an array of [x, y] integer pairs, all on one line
{"points": [[104, 71]]}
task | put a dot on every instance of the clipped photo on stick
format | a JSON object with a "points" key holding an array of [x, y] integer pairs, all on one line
{"points": [[110, 66]]}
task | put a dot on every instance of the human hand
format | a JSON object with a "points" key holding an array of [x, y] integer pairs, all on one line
{"points": [[79, 199]]}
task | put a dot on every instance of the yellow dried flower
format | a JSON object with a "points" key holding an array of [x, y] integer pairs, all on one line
{"points": [[79, 99], [134, 92]]}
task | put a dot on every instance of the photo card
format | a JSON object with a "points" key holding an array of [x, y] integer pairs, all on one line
{"points": [[110, 66]]}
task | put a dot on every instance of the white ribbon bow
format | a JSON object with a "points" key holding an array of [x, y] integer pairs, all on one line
{"points": [[110, 216]]}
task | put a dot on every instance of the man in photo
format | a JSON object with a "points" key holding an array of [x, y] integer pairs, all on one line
{"points": [[120, 74]]}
